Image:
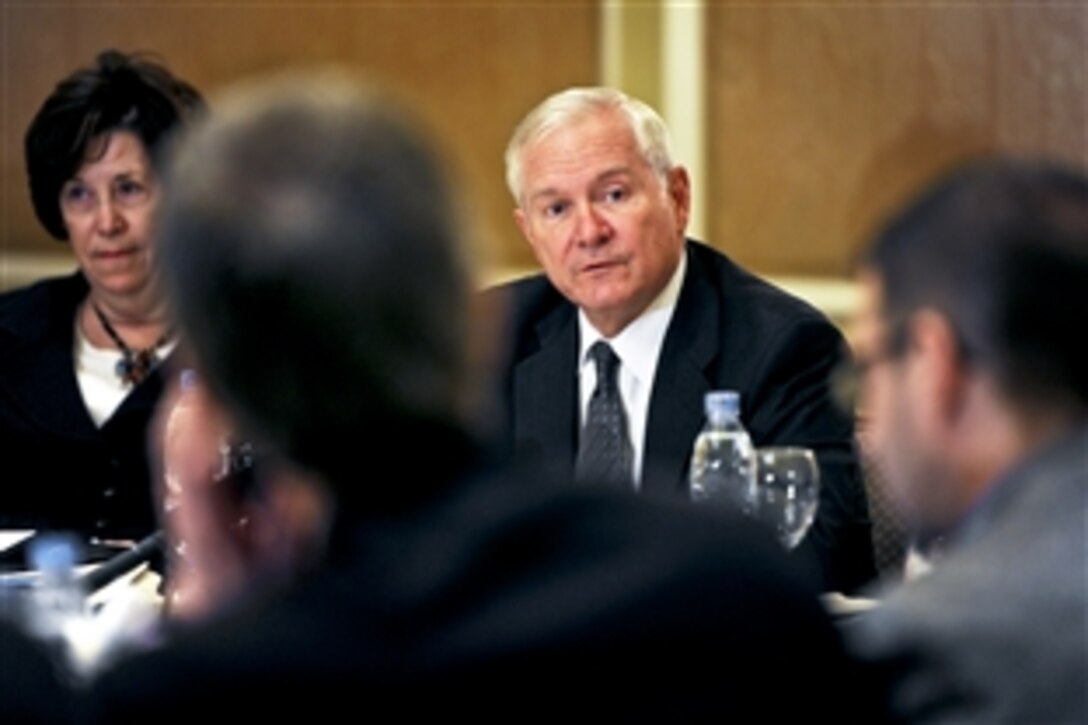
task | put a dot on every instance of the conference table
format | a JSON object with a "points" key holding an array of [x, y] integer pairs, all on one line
{"points": [[118, 587], [124, 599]]}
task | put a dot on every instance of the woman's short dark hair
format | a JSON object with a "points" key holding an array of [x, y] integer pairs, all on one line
{"points": [[120, 92]]}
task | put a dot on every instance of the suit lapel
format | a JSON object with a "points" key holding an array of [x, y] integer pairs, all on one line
{"points": [[676, 405], [545, 391]]}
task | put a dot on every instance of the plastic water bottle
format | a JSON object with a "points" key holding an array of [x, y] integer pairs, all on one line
{"points": [[57, 599], [723, 459]]}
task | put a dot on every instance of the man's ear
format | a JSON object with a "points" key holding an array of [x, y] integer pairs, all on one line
{"points": [[941, 376], [290, 521], [679, 190]]}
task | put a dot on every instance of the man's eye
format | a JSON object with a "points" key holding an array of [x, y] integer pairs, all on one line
{"points": [[615, 194], [553, 211]]}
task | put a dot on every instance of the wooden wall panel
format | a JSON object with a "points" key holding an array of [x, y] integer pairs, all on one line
{"points": [[472, 68], [823, 116]]}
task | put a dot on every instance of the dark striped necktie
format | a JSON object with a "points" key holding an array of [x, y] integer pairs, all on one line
{"points": [[604, 452]]}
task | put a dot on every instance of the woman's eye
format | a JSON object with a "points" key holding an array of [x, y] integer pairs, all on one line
{"points": [[76, 196], [131, 190], [76, 192]]}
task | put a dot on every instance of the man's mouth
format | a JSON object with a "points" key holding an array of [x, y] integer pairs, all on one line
{"points": [[601, 265]]}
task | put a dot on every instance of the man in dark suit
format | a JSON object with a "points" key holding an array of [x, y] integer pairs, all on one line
{"points": [[605, 209], [377, 560]]}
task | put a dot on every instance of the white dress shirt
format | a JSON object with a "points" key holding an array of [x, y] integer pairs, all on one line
{"points": [[638, 346]]}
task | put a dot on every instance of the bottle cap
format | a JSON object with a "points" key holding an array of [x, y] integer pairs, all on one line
{"points": [[53, 552], [722, 402]]}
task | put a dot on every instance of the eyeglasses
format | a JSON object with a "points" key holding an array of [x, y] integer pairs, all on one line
{"points": [[847, 377], [126, 192]]}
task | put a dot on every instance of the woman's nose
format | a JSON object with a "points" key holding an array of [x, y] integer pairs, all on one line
{"points": [[110, 219]]}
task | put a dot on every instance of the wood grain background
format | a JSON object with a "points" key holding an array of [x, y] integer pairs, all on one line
{"points": [[821, 116], [473, 69]]}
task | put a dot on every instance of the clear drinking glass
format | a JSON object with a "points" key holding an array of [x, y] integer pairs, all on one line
{"points": [[787, 491]]}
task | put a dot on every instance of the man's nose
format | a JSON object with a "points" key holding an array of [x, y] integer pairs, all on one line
{"points": [[592, 227]]}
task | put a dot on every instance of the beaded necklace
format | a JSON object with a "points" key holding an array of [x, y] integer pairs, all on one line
{"points": [[134, 365]]}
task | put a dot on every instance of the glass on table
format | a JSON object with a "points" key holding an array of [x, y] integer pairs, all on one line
{"points": [[787, 491]]}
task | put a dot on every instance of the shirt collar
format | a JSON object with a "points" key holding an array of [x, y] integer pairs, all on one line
{"points": [[637, 344]]}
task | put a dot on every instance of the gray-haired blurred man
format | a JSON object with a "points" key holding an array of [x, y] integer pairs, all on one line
{"points": [[973, 354], [312, 253]]}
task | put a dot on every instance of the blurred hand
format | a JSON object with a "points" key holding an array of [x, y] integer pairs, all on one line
{"points": [[225, 543], [204, 522]]}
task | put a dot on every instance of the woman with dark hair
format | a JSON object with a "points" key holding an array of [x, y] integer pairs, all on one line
{"points": [[80, 355]]}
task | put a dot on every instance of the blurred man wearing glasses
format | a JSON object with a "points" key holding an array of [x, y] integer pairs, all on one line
{"points": [[973, 362]]}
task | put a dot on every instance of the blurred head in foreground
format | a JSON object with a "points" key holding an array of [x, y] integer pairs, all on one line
{"points": [[311, 252], [971, 341]]}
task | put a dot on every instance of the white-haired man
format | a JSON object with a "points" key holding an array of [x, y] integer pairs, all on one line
{"points": [[605, 209]]}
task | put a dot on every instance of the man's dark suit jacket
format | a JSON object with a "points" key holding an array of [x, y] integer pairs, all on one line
{"points": [[730, 330], [469, 596], [62, 471]]}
